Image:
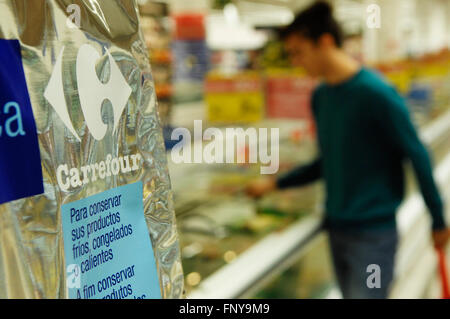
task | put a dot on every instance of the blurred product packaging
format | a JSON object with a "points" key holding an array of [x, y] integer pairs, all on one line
{"points": [[85, 198]]}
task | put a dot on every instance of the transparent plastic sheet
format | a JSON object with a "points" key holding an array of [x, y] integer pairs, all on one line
{"points": [[31, 243]]}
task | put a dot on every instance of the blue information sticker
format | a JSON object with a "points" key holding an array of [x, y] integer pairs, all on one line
{"points": [[107, 247], [20, 160]]}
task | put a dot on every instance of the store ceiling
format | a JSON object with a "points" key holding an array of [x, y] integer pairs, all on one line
{"points": [[293, 5], [275, 12], [281, 12]]}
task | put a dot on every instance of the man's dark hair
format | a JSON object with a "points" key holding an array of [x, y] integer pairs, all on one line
{"points": [[315, 21]]}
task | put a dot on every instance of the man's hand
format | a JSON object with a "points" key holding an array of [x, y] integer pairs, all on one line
{"points": [[261, 187], [440, 238]]}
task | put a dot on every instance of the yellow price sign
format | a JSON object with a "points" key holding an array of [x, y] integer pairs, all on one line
{"points": [[235, 107], [235, 100]]}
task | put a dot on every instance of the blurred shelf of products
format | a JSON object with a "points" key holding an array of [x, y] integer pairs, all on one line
{"points": [[221, 62]]}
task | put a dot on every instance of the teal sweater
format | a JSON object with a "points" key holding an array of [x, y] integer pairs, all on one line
{"points": [[365, 133]]}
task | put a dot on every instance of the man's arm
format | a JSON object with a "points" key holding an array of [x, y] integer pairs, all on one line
{"points": [[395, 120], [298, 177], [301, 175]]}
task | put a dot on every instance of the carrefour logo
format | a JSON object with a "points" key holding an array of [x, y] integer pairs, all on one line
{"points": [[91, 94], [91, 91]]}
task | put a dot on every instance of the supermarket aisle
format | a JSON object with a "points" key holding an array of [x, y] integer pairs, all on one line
{"points": [[223, 231], [272, 245]]}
